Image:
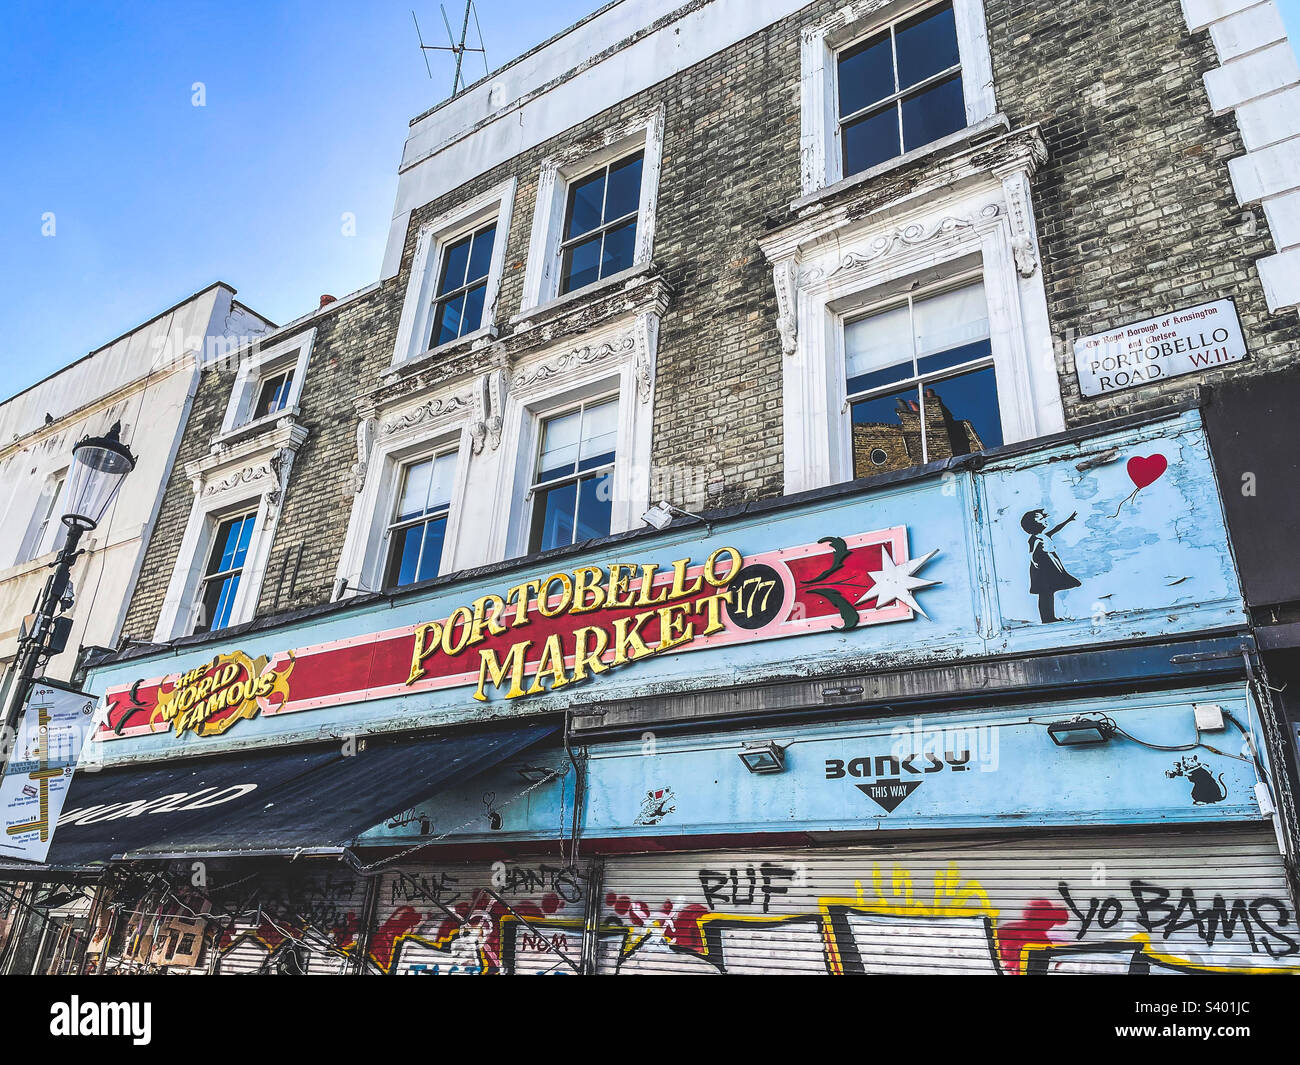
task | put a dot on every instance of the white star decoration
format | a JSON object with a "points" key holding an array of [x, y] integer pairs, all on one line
{"points": [[895, 582], [101, 715]]}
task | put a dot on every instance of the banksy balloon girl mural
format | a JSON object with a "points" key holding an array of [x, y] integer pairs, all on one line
{"points": [[1047, 574], [1101, 535]]}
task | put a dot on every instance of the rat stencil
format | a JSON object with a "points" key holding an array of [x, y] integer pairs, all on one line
{"points": [[1205, 789], [1047, 574]]}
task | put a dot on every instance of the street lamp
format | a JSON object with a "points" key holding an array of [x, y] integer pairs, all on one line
{"points": [[99, 465]]}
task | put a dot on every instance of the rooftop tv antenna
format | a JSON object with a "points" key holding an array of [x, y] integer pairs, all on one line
{"points": [[458, 50]]}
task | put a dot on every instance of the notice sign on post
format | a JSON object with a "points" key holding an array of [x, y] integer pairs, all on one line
{"points": [[1173, 344], [51, 731]]}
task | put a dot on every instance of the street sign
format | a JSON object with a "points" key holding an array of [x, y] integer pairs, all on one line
{"points": [[1169, 345], [51, 730]]}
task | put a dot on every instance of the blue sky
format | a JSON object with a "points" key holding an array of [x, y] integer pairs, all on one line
{"points": [[153, 198], [306, 110]]}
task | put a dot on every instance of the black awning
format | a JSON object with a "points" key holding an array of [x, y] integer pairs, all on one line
{"points": [[314, 799]]}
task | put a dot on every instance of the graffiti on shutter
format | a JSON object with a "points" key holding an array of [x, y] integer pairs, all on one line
{"points": [[1155, 904], [523, 917], [288, 924]]}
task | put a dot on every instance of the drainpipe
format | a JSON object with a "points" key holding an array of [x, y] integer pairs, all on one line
{"points": [[579, 790], [595, 867]]}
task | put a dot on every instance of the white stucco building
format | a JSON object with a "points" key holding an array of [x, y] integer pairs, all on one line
{"points": [[144, 379]]}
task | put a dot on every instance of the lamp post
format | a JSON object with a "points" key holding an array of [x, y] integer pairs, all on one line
{"points": [[99, 465]]}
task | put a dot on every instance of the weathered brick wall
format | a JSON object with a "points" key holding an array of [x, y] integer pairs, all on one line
{"points": [[1134, 208], [718, 394]]}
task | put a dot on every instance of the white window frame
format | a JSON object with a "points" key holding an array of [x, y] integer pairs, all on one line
{"points": [[603, 228], [37, 536], [949, 279], [580, 404], [542, 273], [285, 374], [250, 475], [400, 465], [557, 380], [387, 442], [181, 606], [837, 273], [293, 353], [215, 522], [434, 237], [821, 147]]}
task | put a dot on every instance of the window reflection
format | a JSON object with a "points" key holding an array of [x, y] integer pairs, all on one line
{"points": [[921, 381]]}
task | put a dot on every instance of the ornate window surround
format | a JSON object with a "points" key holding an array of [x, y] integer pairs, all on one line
{"points": [[247, 474], [417, 308], [821, 163], [390, 434], [294, 352], [486, 402], [616, 359], [542, 273], [828, 263]]}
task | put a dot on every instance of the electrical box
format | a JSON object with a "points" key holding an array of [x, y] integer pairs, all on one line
{"points": [[60, 630], [1209, 717]]}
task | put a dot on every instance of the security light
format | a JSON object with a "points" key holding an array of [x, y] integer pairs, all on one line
{"points": [[1081, 731], [764, 757], [663, 512], [660, 516], [1209, 717]]}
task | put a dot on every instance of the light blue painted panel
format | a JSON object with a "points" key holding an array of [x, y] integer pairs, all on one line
{"points": [[1149, 533], [973, 769]]}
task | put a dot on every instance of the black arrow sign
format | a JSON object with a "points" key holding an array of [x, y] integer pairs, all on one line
{"points": [[887, 794]]}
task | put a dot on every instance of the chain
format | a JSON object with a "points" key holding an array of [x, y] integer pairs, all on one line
{"points": [[369, 870]]}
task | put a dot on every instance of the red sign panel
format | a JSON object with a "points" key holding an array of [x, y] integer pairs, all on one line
{"points": [[545, 634]]}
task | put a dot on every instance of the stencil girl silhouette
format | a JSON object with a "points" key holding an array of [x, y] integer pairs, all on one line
{"points": [[1047, 575]]}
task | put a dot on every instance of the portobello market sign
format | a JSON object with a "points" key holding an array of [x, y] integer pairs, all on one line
{"points": [[548, 633]]}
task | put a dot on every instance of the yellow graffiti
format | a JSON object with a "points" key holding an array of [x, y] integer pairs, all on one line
{"points": [[951, 895], [1142, 941]]}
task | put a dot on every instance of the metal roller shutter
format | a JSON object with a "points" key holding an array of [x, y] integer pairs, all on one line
{"points": [[1157, 902], [304, 922], [414, 936]]}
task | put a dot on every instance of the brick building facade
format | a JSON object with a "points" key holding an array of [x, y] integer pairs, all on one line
{"points": [[786, 296], [1133, 202]]}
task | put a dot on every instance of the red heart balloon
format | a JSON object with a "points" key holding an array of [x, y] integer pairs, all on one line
{"points": [[1145, 470]]}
